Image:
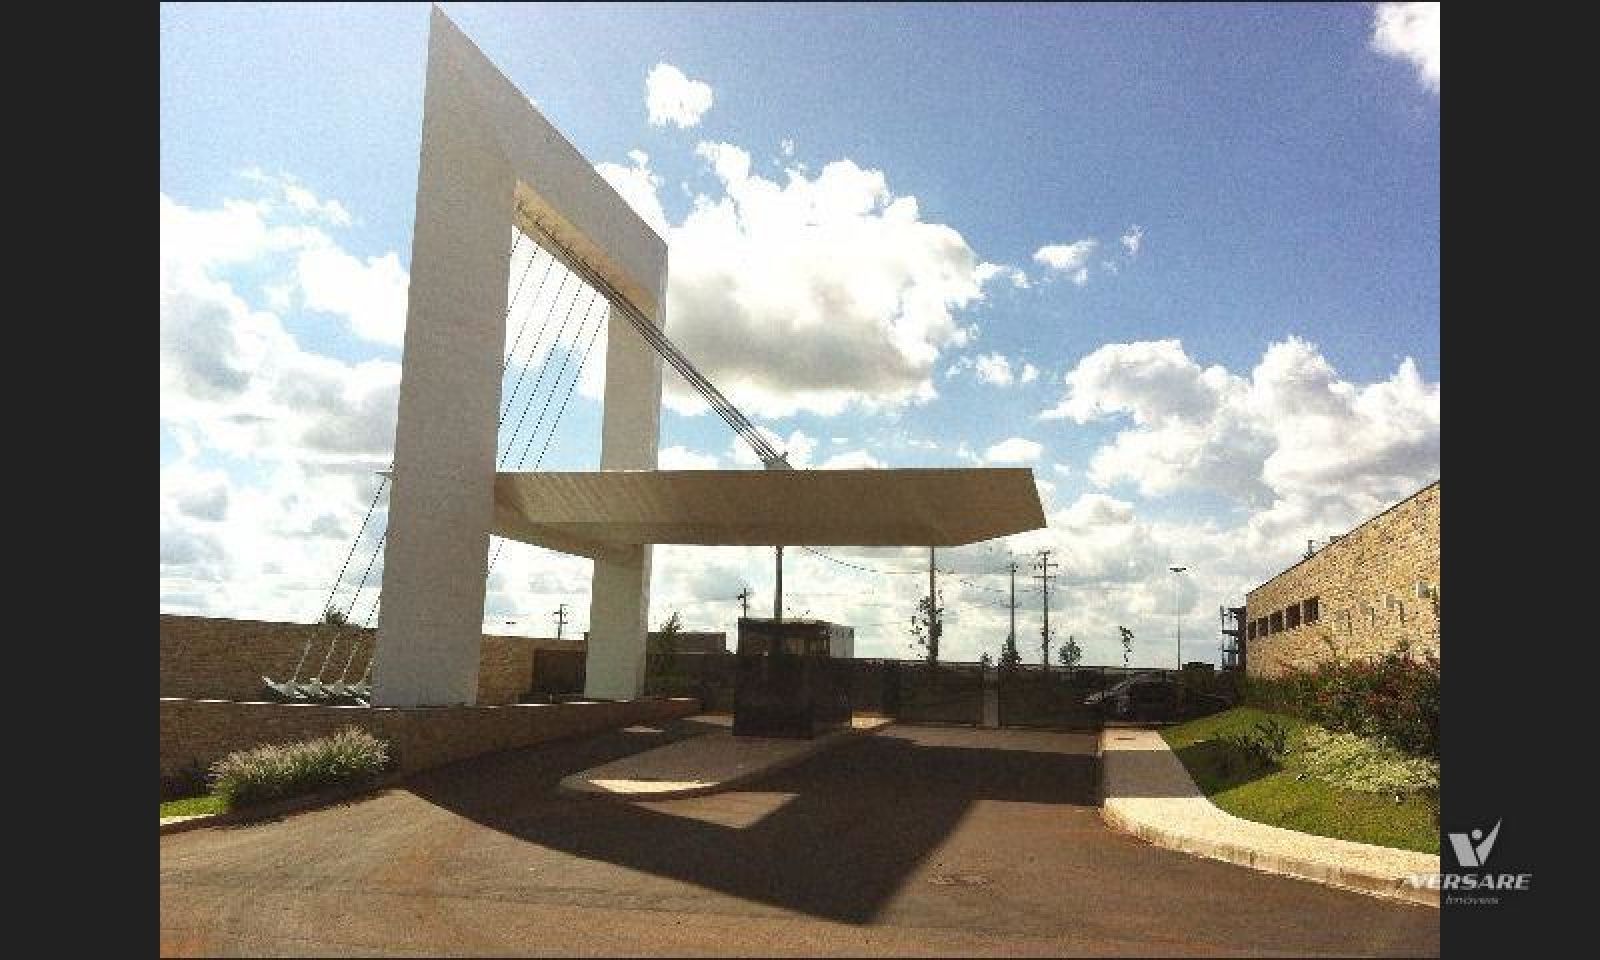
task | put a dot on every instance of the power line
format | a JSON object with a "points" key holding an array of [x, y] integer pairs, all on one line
{"points": [[857, 566]]}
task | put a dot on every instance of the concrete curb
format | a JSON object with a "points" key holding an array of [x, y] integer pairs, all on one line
{"points": [[569, 784], [279, 808], [1213, 845]]}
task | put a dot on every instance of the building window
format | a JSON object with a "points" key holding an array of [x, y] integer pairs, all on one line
{"points": [[1275, 622], [1312, 612], [1291, 616], [1250, 630]]}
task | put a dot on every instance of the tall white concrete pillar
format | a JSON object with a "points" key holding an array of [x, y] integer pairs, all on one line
{"points": [[442, 501], [490, 159], [619, 598]]}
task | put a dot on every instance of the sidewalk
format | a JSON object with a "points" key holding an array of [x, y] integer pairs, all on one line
{"points": [[1147, 792], [705, 764]]}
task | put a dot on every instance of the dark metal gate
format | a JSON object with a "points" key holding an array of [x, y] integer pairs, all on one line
{"points": [[1086, 698], [914, 691]]}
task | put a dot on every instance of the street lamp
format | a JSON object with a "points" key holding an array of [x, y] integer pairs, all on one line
{"points": [[1177, 618]]}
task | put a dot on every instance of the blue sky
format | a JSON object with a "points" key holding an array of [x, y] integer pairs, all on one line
{"points": [[1275, 170]]}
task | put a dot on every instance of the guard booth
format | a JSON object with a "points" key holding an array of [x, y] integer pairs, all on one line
{"points": [[793, 678]]}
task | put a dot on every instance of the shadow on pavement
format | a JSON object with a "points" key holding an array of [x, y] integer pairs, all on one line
{"points": [[838, 850]]}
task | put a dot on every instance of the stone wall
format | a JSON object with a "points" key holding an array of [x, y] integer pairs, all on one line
{"points": [[1362, 591], [202, 731], [219, 659]]}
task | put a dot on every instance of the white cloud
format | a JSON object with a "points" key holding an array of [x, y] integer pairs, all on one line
{"points": [[994, 368], [1066, 257], [851, 460], [682, 458], [235, 382], [1307, 451], [672, 97], [787, 146], [637, 185], [1013, 450], [1081, 277], [1132, 239], [298, 196], [369, 292], [818, 294], [988, 271], [1410, 31], [1149, 379], [797, 447]]}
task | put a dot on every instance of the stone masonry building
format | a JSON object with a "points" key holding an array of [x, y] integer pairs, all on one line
{"points": [[1369, 592]]}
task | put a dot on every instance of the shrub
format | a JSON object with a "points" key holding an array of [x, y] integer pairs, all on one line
{"points": [[1363, 764], [1263, 745], [1394, 698], [247, 777]]}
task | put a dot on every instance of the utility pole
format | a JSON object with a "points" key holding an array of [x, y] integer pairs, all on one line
{"points": [[935, 622], [744, 601], [1011, 635], [1043, 576], [777, 593], [1177, 617], [561, 619]]}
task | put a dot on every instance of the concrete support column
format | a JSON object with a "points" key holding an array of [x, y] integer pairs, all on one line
{"points": [[442, 501], [620, 591]]}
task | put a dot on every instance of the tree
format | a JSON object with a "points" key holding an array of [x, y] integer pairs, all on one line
{"points": [[1127, 644], [335, 618], [1070, 653], [927, 627], [668, 642], [1010, 656], [985, 660]]}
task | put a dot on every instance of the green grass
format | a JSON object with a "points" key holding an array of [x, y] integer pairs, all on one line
{"points": [[193, 806], [1274, 795]]}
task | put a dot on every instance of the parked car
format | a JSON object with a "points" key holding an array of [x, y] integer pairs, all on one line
{"points": [[1144, 696]]}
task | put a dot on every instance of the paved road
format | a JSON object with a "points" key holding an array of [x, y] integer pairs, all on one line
{"points": [[915, 841]]}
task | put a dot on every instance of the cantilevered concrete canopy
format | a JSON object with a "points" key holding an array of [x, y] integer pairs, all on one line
{"points": [[607, 515]]}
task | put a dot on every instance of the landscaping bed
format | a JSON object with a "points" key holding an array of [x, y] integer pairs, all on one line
{"points": [[1281, 770], [349, 759]]}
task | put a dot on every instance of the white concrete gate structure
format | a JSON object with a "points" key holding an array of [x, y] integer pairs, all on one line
{"points": [[490, 161]]}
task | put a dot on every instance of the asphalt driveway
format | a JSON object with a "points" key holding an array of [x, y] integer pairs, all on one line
{"points": [[915, 841]]}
